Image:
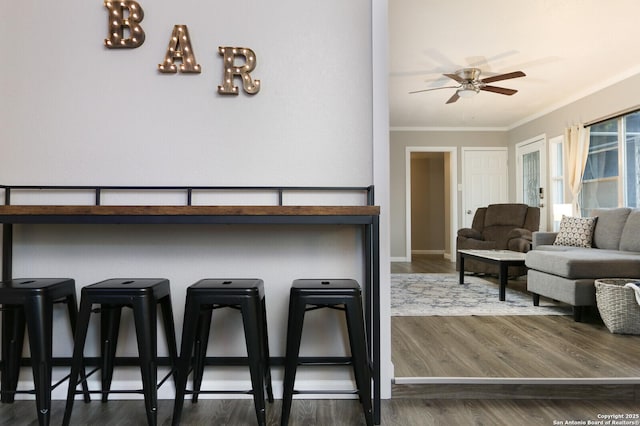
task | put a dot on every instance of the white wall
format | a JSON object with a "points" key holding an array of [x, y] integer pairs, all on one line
{"points": [[76, 112], [73, 112]]}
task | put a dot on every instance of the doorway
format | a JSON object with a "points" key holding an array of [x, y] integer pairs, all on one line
{"points": [[531, 172], [448, 210]]}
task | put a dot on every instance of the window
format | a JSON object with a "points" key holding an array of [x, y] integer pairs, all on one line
{"points": [[632, 161], [612, 173]]}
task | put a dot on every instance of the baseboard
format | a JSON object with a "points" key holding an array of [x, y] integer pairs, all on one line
{"points": [[400, 259], [408, 259]]}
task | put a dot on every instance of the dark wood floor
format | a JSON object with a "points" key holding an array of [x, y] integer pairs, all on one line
{"points": [[419, 405], [507, 346], [511, 347], [395, 412], [463, 351], [424, 264]]}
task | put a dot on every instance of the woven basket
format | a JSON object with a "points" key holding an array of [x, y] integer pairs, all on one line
{"points": [[618, 306]]}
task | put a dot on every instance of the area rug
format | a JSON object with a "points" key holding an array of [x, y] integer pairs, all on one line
{"points": [[441, 295]]}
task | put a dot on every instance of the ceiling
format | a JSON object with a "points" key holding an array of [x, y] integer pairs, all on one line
{"points": [[567, 49]]}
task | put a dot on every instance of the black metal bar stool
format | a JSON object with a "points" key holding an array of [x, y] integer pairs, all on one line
{"points": [[29, 302], [341, 294], [245, 295], [142, 295]]}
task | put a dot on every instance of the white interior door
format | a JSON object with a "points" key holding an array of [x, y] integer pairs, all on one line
{"points": [[485, 175], [531, 172]]}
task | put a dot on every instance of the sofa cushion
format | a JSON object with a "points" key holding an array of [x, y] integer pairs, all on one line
{"points": [[542, 238], [630, 240], [575, 263], [499, 234], [512, 215], [576, 231], [469, 233], [609, 228]]}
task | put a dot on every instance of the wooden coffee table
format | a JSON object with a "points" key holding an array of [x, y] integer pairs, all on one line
{"points": [[502, 258]]}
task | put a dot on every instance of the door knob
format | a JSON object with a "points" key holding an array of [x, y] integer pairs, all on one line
{"points": [[468, 211]]}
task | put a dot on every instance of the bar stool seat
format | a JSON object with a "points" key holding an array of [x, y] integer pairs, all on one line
{"points": [[245, 295], [341, 294], [142, 295], [29, 302]]}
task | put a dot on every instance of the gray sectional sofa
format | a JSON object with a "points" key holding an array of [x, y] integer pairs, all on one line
{"points": [[567, 274]]}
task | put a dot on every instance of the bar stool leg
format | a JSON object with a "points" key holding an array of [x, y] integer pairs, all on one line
{"points": [[39, 315], [109, 327], [250, 316], [294, 336], [355, 326], [265, 350], [72, 308], [170, 333], [13, 325], [145, 317], [184, 362], [78, 354], [203, 327]]}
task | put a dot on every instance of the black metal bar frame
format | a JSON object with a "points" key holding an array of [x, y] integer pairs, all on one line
{"points": [[371, 238], [188, 190]]}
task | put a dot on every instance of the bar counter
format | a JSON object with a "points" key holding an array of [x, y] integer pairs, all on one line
{"points": [[182, 214], [365, 216]]}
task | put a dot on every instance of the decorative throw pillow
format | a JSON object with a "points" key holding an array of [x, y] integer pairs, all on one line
{"points": [[576, 231]]}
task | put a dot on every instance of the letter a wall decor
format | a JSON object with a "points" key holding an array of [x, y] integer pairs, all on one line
{"points": [[179, 49]]}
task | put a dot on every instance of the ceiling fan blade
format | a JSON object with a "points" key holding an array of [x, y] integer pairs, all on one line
{"points": [[435, 88], [507, 76], [453, 98], [500, 90], [455, 77]]}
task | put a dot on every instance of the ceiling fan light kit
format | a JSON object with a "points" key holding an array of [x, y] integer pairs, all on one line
{"points": [[471, 83], [467, 92]]}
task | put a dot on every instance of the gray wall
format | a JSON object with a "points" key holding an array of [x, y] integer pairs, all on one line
{"points": [[399, 141], [618, 97], [615, 98]]}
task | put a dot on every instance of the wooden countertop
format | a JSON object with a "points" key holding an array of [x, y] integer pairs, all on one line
{"points": [[110, 210]]}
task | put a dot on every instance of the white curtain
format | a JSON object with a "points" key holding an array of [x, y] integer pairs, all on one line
{"points": [[577, 139]]}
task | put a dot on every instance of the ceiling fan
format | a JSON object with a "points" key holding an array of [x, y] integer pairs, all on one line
{"points": [[471, 83]]}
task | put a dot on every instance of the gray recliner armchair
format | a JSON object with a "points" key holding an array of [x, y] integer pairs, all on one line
{"points": [[498, 227]]}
